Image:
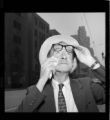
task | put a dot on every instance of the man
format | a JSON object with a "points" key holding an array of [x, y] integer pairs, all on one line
{"points": [[55, 90]]}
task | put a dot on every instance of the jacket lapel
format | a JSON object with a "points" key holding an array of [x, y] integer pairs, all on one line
{"points": [[50, 102], [78, 94]]}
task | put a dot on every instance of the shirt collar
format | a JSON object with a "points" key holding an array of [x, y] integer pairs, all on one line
{"points": [[56, 83]]}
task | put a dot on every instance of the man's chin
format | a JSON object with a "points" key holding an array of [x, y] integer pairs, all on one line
{"points": [[62, 70]]}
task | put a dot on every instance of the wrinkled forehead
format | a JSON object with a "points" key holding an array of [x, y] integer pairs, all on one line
{"points": [[62, 43]]}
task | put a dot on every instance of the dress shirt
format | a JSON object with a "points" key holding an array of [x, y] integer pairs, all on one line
{"points": [[67, 92]]}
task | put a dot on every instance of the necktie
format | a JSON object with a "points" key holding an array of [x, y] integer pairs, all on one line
{"points": [[61, 100]]}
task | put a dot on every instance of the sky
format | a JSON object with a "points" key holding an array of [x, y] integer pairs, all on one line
{"points": [[68, 23]]}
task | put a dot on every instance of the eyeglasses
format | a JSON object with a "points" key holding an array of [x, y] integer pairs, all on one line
{"points": [[59, 47]]}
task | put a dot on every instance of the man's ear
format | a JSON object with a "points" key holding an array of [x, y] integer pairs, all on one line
{"points": [[74, 65]]}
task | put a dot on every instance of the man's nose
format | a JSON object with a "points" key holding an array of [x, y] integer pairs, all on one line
{"points": [[63, 54]]}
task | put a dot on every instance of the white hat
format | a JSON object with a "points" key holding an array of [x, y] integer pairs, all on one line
{"points": [[46, 46]]}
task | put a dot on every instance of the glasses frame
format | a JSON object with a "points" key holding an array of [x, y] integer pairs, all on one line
{"points": [[63, 46]]}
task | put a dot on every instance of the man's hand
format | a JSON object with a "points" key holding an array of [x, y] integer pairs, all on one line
{"points": [[84, 55], [46, 72]]}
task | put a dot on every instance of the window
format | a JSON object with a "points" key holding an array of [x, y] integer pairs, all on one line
{"points": [[44, 28], [36, 67], [40, 37], [43, 37], [47, 30], [36, 55], [35, 44], [35, 33], [36, 20], [17, 25], [16, 39], [40, 24]]}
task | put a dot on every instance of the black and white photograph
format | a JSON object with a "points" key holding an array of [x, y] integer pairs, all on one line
{"points": [[55, 62]]}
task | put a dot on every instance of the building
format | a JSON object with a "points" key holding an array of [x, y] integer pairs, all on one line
{"points": [[40, 33], [24, 34], [53, 32], [83, 40], [16, 49]]}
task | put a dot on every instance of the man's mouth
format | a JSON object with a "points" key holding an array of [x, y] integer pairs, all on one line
{"points": [[62, 62]]}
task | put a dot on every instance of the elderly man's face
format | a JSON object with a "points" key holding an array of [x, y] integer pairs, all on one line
{"points": [[63, 52]]}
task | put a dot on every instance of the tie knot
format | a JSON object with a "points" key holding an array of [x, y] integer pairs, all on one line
{"points": [[61, 86]]}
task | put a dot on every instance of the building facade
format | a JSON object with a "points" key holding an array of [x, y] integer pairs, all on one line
{"points": [[40, 33], [53, 32], [24, 34], [83, 40], [16, 30]]}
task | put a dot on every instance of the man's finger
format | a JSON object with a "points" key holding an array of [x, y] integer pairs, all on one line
{"points": [[78, 48], [77, 52]]}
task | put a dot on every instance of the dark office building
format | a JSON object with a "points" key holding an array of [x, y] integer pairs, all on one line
{"points": [[24, 34], [18, 50], [40, 33]]}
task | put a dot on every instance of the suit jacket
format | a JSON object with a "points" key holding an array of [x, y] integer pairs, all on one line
{"points": [[86, 93]]}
